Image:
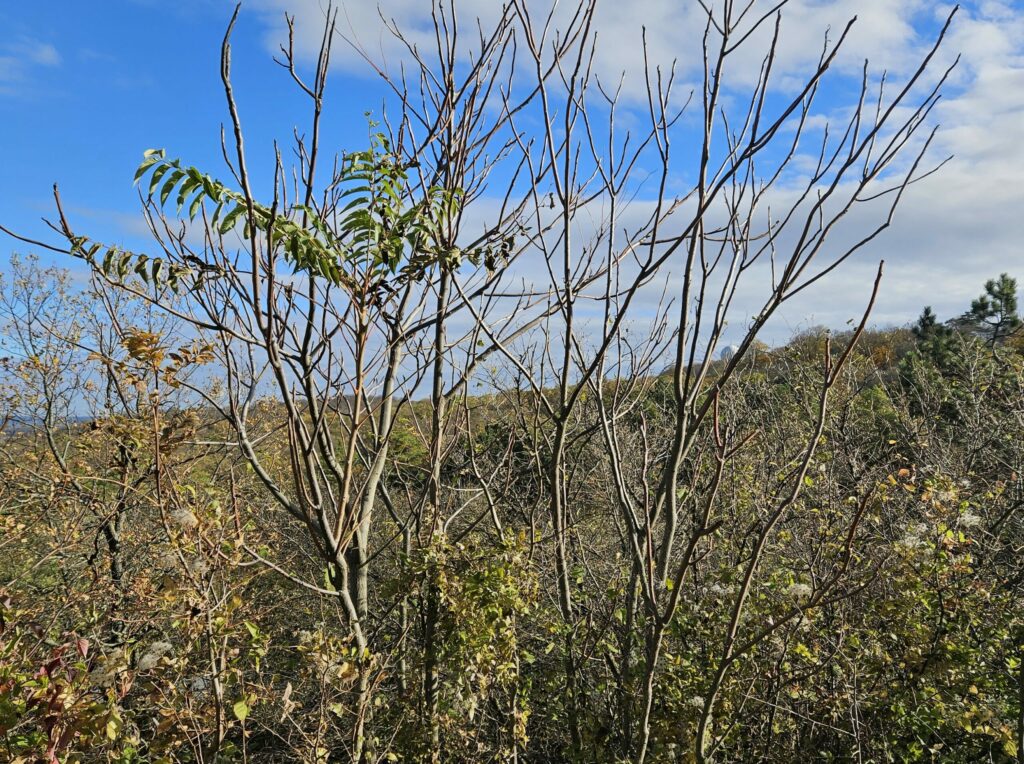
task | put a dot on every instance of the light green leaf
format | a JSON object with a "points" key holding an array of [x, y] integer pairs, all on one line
{"points": [[114, 726]]}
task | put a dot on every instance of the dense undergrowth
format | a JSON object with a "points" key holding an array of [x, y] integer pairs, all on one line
{"points": [[157, 607]]}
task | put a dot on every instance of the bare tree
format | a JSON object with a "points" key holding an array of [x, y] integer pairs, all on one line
{"points": [[371, 280]]}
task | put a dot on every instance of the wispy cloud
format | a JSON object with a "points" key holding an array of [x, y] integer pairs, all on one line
{"points": [[18, 60], [954, 230]]}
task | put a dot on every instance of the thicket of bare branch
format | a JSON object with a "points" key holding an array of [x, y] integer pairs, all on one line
{"points": [[428, 450]]}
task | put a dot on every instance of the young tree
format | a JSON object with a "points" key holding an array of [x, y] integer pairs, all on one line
{"points": [[994, 313], [934, 339], [363, 281]]}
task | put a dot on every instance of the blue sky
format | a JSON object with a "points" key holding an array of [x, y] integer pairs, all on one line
{"points": [[86, 87], [96, 84]]}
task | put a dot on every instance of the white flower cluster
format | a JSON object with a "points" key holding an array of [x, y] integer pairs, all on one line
{"points": [[183, 518], [718, 591], [152, 656], [969, 520], [105, 674], [800, 592], [915, 537]]}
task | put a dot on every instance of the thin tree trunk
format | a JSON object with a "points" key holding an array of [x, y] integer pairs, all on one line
{"points": [[653, 652], [431, 680]]}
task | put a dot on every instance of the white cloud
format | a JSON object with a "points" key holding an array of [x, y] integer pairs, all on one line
{"points": [[42, 53], [887, 31], [20, 57], [954, 229]]}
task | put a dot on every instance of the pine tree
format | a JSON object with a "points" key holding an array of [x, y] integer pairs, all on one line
{"points": [[928, 325], [993, 315], [934, 339]]}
